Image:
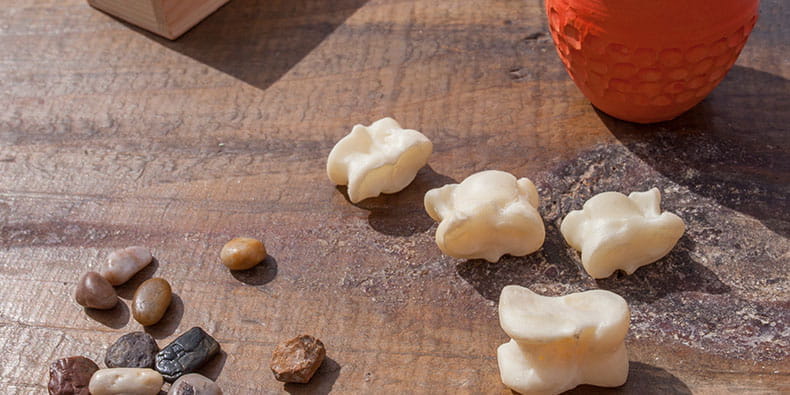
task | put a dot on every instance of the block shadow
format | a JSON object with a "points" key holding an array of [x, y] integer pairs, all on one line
{"points": [[257, 41], [733, 147]]}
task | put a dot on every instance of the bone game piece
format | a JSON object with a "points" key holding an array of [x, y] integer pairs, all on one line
{"points": [[614, 232], [376, 159], [558, 343], [489, 214]]}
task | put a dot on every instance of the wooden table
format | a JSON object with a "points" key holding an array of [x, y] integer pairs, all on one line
{"points": [[110, 136]]}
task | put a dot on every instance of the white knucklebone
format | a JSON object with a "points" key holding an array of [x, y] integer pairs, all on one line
{"points": [[489, 214], [614, 231], [558, 343], [376, 159]]}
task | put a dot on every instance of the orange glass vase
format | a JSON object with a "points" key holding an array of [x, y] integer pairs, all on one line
{"points": [[650, 60]]}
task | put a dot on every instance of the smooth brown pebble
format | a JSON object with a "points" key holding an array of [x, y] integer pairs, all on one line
{"points": [[151, 301], [194, 384], [125, 263], [297, 359], [71, 376], [242, 253], [95, 292]]}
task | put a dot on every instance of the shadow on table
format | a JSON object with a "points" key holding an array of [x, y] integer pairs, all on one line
{"points": [[260, 274], [127, 289], [554, 263], [676, 272], [733, 147], [257, 41], [170, 321], [116, 317], [321, 383], [213, 367], [643, 379]]}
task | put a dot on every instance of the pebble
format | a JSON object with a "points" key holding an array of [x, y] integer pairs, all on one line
{"points": [[297, 359], [95, 292], [151, 300], [126, 381], [125, 263], [242, 253], [194, 384], [132, 350], [186, 354], [71, 376]]}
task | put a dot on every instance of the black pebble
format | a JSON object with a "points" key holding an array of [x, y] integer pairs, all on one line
{"points": [[186, 354], [132, 350]]}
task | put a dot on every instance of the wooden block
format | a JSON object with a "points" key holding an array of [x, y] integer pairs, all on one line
{"points": [[167, 18]]}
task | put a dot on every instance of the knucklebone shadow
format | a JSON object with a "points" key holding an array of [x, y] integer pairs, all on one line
{"points": [[549, 271], [402, 213], [676, 272], [258, 41], [732, 147], [643, 379]]}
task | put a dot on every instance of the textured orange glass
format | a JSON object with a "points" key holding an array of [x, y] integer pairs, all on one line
{"points": [[651, 60]]}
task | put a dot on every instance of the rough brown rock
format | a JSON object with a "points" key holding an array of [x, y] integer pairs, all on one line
{"points": [[71, 376], [297, 359], [132, 350]]}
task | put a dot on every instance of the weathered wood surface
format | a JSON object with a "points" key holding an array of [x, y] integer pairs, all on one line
{"points": [[110, 136]]}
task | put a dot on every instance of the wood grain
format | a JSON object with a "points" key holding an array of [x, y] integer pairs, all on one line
{"points": [[110, 136]]}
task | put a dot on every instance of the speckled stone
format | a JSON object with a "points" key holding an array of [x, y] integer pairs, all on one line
{"points": [[194, 384], [95, 292], [296, 360], [186, 354], [132, 350], [71, 376], [125, 263], [151, 301]]}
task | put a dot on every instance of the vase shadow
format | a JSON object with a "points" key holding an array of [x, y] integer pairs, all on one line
{"points": [[733, 147], [258, 41]]}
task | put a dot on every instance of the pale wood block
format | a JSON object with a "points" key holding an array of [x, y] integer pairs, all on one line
{"points": [[167, 18]]}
